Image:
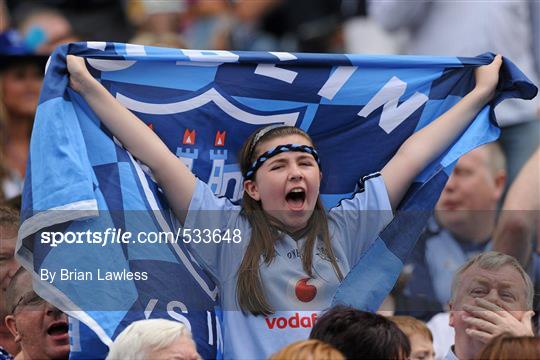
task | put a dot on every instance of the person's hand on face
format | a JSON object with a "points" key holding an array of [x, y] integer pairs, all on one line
{"points": [[487, 320]]}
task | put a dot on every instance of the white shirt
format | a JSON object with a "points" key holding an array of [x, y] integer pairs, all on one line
{"points": [[443, 334]]}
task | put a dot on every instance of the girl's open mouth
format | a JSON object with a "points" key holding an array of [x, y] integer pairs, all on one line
{"points": [[296, 198]]}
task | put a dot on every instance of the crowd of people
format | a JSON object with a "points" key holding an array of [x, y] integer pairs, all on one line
{"points": [[471, 287]]}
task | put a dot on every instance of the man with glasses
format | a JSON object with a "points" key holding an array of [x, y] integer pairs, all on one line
{"points": [[39, 328]]}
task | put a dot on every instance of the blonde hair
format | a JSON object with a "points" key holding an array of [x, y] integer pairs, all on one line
{"points": [[411, 326], [141, 338], [308, 349]]}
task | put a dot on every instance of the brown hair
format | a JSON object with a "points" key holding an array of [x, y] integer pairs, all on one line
{"points": [[308, 349], [411, 326], [506, 346], [9, 217], [361, 335], [264, 233]]}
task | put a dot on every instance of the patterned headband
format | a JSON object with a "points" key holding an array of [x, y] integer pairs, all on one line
{"points": [[250, 174], [265, 130]]}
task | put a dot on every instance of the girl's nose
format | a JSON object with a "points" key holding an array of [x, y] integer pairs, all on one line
{"points": [[295, 173]]}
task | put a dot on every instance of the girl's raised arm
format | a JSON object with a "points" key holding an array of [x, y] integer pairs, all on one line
{"points": [[428, 143], [172, 175]]}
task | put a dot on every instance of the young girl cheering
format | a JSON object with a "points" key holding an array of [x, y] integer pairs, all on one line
{"points": [[291, 255]]}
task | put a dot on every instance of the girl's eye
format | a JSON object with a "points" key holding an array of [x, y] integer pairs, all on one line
{"points": [[276, 167], [306, 164]]}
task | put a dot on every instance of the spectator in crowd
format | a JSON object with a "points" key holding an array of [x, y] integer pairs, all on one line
{"points": [[419, 336], [245, 30], [98, 20], [9, 224], [307, 25], [491, 295], [154, 339], [467, 209], [38, 327], [158, 22], [229, 25], [361, 335], [43, 28], [466, 215], [156, 17], [21, 75], [363, 35], [462, 28], [207, 24], [505, 347], [266, 25], [308, 349]]}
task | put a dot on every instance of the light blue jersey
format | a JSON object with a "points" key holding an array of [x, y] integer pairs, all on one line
{"points": [[296, 298]]}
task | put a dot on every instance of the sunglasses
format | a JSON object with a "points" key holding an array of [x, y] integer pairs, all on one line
{"points": [[30, 299]]}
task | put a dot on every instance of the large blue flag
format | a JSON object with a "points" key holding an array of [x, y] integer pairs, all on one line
{"points": [[204, 104]]}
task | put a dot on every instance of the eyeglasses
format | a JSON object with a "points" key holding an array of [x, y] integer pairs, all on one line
{"points": [[30, 299]]}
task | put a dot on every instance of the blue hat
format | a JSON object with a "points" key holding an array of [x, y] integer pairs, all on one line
{"points": [[14, 51]]}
